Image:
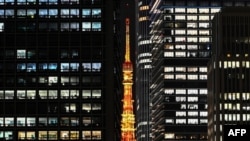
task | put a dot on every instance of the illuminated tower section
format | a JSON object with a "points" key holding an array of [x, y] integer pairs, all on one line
{"points": [[128, 118]]}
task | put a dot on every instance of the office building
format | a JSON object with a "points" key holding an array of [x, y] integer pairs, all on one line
{"points": [[60, 70], [142, 71], [181, 47], [228, 72]]}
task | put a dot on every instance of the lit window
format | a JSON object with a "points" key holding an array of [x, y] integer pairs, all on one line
{"points": [[86, 26], [52, 135], [180, 69], [96, 13], [193, 114], [43, 13], [64, 94], [168, 76], [180, 77], [52, 80], [42, 121], [168, 54], [86, 13], [203, 10], [179, 10], [52, 94], [192, 32], [180, 17], [65, 13], [192, 121], [9, 121], [192, 99], [86, 66], [21, 121], [96, 26], [192, 18], [9, 94], [192, 77], [53, 2], [91, 135], [180, 121], [53, 13], [191, 10], [21, 54], [42, 94], [168, 69], [96, 67], [180, 99]]}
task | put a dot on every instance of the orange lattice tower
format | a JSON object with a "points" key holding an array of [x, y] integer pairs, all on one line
{"points": [[128, 117]]}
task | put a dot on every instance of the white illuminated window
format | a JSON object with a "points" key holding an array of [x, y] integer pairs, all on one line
{"points": [[192, 69], [168, 54], [192, 121], [203, 77], [180, 91], [180, 54], [168, 76], [204, 39], [192, 17], [192, 32], [191, 25], [192, 39], [168, 69], [180, 121], [180, 69], [180, 32], [203, 18], [204, 32], [169, 91], [192, 99], [180, 17], [180, 99], [169, 121], [192, 91], [215, 10], [203, 10], [179, 10], [181, 47], [192, 10], [180, 77], [192, 113], [180, 113]]}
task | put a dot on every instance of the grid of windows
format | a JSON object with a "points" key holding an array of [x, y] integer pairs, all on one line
{"points": [[52, 70]]}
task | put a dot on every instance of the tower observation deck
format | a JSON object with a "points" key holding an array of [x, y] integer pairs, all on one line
{"points": [[128, 117]]}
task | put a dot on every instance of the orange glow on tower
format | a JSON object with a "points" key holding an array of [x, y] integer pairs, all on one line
{"points": [[128, 117]]}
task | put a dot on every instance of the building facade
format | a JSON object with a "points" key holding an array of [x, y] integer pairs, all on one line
{"points": [[181, 37], [143, 68], [228, 72], [60, 70]]}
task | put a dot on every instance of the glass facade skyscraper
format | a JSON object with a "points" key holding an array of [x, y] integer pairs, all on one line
{"points": [[58, 78], [181, 37]]}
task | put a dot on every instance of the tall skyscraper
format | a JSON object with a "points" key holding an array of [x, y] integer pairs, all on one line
{"points": [[180, 34], [60, 70], [229, 71], [142, 71]]}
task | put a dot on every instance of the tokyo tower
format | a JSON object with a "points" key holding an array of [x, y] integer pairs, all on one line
{"points": [[128, 117]]}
